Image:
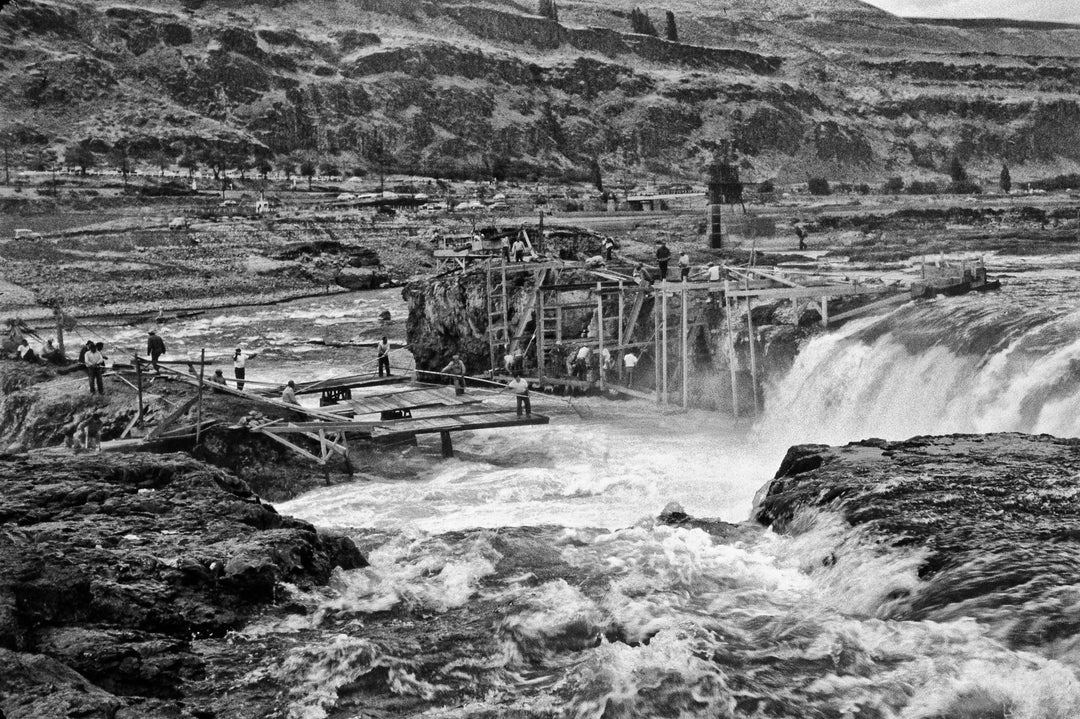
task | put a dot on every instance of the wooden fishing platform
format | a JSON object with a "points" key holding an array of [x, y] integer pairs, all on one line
{"points": [[394, 399]]}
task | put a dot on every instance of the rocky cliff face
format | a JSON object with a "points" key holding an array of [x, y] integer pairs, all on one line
{"points": [[112, 567], [990, 519], [489, 88]]}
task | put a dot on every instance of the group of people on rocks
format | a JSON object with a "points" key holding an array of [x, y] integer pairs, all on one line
{"points": [[48, 354]]}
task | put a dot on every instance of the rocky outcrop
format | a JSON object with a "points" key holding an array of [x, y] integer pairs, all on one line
{"points": [[111, 565], [992, 519]]}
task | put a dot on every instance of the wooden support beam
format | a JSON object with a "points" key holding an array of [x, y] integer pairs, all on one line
{"points": [[619, 329], [813, 292], [198, 413], [299, 450], [664, 340], [169, 420], [825, 311], [447, 444], [685, 354], [752, 339], [138, 380], [600, 335], [731, 351], [656, 350]]}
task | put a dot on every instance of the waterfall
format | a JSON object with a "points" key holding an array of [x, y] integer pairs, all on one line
{"points": [[1008, 361]]}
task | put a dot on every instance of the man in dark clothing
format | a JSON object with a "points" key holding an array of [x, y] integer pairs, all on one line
{"points": [[663, 254], [382, 353], [155, 347], [800, 232]]}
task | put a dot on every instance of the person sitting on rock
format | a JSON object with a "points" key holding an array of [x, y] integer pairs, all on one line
{"points": [[288, 396], [26, 352]]}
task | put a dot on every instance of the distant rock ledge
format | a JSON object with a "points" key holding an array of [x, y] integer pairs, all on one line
{"points": [[995, 518]]}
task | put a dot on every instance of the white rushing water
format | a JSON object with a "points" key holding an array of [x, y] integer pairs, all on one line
{"points": [[685, 626]]}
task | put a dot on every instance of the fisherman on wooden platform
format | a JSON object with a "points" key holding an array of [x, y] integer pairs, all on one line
{"points": [[684, 266], [240, 358], [630, 361], [155, 347], [519, 250], [558, 358], [520, 388], [382, 354], [456, 368], [663, 255], [94, 361]]}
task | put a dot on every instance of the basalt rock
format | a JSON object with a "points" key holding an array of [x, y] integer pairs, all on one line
{"points": [[993, 518], [110, 565]]}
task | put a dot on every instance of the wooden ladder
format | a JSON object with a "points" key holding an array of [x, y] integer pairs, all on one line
{"points": [[498, 327]]}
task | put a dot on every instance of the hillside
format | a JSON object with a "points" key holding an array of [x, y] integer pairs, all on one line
{"points": [[823, 87]]}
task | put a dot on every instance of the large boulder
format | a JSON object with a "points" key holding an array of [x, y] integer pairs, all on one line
{"points": [[990, 519]]}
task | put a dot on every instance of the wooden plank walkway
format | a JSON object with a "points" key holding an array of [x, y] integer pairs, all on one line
{"points": [[455, 423], [348, 382], [409, 400]]}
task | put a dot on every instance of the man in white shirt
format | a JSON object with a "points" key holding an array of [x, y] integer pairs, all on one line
{"points": [[684, 266], [288, 396], [95, 366], [630, 361], [520, 387], [382, 354], [714, 272], [240, 359]]}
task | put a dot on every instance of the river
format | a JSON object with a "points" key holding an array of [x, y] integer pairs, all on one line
{"points": [[529, 577]]}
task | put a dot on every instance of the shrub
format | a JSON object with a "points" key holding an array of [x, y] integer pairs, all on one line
{"points": [[965, 187], [918, 187], [893, 186], [818, 186], [766, 187]]}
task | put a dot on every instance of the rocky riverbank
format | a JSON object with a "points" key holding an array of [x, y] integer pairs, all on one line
{"points": [[989, 522], [120, 573]]}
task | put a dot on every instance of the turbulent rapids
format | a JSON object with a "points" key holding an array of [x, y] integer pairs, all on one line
{"points": [[533, 576]]}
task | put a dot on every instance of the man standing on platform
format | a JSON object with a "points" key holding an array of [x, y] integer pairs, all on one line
{"points": [[240, 359], [519, 250], [456, 368], [630, 361], [684, 266], [382, 353], [95, 366], [520, 388], [155, 347], [663, 254]]}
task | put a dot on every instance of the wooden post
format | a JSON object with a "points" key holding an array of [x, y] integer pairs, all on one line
{"points": [[825, 312], [685, 353], [447, 444], [731, 352], [619, 329], [138, 386], [753, 354], [656, 347], [198, 411], [600, 333], [664, 337], [58, 313], [540, 332]]}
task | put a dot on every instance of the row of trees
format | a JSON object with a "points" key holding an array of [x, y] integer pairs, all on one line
{"points": [[643, 25], [219, 158], [639, 20], [960, 183]]}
